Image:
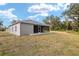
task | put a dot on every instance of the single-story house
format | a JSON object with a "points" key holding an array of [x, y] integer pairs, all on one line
{"points": [[27, 27]]}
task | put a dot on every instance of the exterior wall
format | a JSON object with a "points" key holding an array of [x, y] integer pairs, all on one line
{"points": [[12, 29], [26, 29], [22, 29]]}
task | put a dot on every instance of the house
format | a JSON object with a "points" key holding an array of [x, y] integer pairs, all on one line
{"points": [[27, 27]]}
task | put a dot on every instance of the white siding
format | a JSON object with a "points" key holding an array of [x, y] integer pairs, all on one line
{"points": [[26, 29], [15, 31]]}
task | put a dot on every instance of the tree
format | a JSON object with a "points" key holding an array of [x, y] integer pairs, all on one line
{"points": [[14, 21], [1, 26], [54, 23], [1, 23], [73, 13]]}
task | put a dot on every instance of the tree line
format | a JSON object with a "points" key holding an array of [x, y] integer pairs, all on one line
{"points": [[71, 16], [71, 22], [2, 27]]}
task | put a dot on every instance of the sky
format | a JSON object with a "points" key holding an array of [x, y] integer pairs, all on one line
{"points": [[34, 11]]}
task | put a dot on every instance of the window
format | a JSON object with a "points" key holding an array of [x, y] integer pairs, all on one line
{"points": [[15, 28]]}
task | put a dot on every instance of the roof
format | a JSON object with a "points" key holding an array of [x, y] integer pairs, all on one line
{"points": [[31, 22]]}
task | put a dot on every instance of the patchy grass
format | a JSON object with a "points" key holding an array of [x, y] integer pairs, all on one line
{"points": [[55, 43], [73, 32]]}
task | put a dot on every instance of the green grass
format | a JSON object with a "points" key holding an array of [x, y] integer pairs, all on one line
{"points": [[52, 44]]}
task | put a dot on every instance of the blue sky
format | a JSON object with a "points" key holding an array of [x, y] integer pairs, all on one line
{"points": [[35, 11]]}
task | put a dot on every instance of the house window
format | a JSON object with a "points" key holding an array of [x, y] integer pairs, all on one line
{"points": [[15, 28]]}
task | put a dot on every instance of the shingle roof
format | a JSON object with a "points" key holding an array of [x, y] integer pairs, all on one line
{"points": [[31, 22], [35, 22]]}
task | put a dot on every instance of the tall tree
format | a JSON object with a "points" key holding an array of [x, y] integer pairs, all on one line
{"points": [[73, 13], [1, 23], [53, 21], [2, 28], [14, 21]]}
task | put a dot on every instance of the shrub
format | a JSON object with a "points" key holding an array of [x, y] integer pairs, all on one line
{"points": [[2, 29]]}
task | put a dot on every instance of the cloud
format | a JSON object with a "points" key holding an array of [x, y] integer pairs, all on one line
{"points": [[34, 17], [44, 9], [41, 9], [11, 9], [62, 6], [8, 13], [43, 14], [3, 3]]}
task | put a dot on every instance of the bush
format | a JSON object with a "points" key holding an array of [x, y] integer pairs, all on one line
{"points": [[2, 29]]}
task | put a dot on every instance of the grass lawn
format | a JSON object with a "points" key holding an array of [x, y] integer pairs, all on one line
{"points": [[52, 44]]}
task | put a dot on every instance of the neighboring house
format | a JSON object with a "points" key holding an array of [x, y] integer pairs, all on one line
{"points": [[27, 27]]}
